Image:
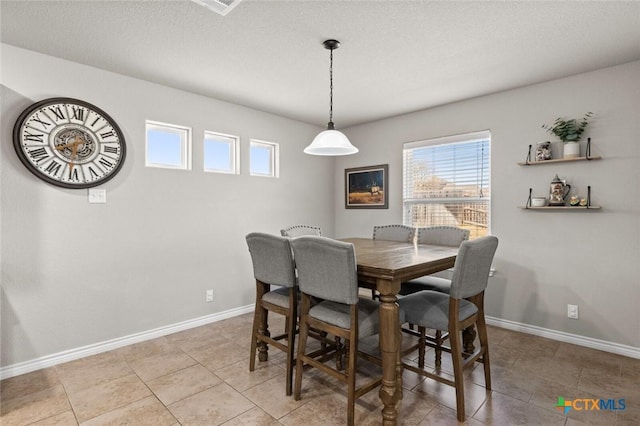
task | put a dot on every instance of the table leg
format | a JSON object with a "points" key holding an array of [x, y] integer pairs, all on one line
{"points": [[390, 349]]}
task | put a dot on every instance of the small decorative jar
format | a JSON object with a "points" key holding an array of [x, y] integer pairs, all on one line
{"points": [[543, 151]]}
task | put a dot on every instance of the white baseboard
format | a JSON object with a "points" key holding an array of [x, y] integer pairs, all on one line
{"points": [[96, 348], [601, 345]]}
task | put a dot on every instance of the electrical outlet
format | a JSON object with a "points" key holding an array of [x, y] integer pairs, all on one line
{"points": [[209, 296], [572, 311]]}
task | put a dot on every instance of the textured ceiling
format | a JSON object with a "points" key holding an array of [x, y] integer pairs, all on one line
{"points": [[396, 56]]}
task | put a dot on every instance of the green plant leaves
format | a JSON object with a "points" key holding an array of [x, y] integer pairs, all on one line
{"points": [[568, 130]]}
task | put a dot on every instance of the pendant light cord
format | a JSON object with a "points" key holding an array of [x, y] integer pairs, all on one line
{"points": [[331, 86]]}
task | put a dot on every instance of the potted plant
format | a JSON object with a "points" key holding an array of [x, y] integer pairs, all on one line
{"points": [[569, 132]]}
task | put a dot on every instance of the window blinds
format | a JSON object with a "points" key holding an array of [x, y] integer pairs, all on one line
{"points": [[447, 181]]}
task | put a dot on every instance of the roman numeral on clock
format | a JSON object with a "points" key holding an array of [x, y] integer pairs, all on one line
{"points": [[57, 111], [73, 174], [107, 134], [111, 149], [38, 154], [93, 173], [78, 113], [53, 168], [44, 123], [33, 137]]}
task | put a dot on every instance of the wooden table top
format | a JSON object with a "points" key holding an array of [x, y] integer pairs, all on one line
{"points": [[399, 261]]}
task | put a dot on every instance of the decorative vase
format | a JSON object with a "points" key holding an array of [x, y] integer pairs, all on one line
{"points": [[571, 150]]}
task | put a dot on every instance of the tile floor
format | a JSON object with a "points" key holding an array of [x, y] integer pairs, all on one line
{"points": [[201, 377]]}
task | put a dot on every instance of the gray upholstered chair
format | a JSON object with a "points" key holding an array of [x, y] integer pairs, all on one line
{"points": [[453, 312], [300, 230], [401, 233], [394, 233], [441, 236], [273, 264], [327, 270]]}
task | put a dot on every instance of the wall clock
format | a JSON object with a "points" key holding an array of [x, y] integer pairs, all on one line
{"points": [[69, 143]]}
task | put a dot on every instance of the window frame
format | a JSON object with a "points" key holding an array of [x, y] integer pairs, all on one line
{"points": [[409, 202], [183, 132], [234, 153], [274, 159]]}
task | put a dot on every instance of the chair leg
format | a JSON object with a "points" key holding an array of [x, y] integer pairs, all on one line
{"points": [[439, 341], [323, 342], [340, 348], [254, 336], [291, 336], [456, 355], [484, 344], [468, 337], [302, 343], [263, 329], [422, 342], [351, 391]]}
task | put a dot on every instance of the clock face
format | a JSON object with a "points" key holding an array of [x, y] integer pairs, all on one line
{"points": [[69, 143]]}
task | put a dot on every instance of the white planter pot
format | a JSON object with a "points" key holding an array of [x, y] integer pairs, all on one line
{"points": [[571, 150]]}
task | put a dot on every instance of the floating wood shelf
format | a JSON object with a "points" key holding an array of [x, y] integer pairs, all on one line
{"points": [[589, 206], [560, 160], [561, 208]]}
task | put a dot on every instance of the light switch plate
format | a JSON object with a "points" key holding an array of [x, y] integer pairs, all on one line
{"points": [[97, 196]]}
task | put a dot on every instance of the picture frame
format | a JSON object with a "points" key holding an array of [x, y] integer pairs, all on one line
{"points": [[366, 187]]}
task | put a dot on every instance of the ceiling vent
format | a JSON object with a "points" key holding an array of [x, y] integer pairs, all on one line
{"points": [[221, 7]]}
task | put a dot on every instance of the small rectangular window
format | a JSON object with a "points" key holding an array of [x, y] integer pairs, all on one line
{"points": [[168, 146], [264, 159], [220, 153]]}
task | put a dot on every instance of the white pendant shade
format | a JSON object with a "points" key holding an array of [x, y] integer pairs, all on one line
{"points": [[330, 142]]}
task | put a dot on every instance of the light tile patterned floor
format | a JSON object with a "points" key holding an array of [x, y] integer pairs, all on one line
{"points": [[201, 377]]}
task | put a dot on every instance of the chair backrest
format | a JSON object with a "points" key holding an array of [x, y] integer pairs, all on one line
{"points": [[394, 233], [272, 259], [442, 235], [326, 268], [471, 270], [300, 230]]}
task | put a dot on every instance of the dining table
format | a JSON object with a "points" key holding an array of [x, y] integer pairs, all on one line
{"points": [[382, 266]]}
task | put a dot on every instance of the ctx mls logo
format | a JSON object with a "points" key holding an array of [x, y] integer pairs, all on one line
{"points": [[590, 404]]}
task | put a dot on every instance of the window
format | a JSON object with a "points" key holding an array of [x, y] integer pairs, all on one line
{"points": [[220, 153], [168, 146], [264, 159], [447, 181]]}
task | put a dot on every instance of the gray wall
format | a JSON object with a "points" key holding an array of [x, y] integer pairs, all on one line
{"points": [[75, 274], [545, 260]]}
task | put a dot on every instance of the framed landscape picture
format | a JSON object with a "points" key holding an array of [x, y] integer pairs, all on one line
{"points": [[366, 187]]}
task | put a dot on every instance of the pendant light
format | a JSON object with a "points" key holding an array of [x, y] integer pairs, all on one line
{"points": [[331, 141]]}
